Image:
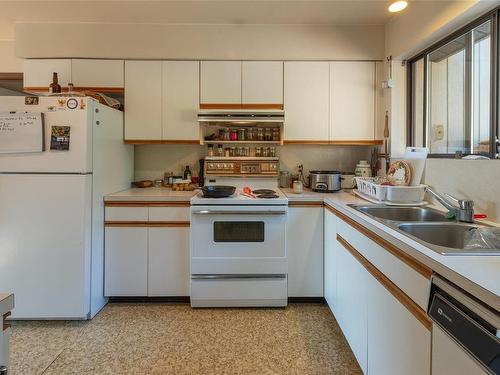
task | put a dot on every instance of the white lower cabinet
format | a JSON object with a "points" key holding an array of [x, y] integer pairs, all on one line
{"points": [[385, 337], [305, 251], [126, 261], [168, 262], [351, 309], [397, 342]]}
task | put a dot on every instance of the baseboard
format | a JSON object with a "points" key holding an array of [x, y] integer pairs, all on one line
{"points": [[176, 299], [306, 300]]}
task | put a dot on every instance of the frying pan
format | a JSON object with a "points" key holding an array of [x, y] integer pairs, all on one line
{"points": [[217, 191]]}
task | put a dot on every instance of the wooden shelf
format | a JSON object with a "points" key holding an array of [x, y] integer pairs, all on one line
{"points": [[242, 142], [244, 158]]}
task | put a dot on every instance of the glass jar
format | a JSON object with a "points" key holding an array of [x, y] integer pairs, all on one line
{"points": [[227, 152], [233, 136], [247, 151], [272, 152], [284, 179], [220, 150], [250, 134], [258, 152], [241, 134], [276, 134], [265, 152], [210, 150], [240, 151], [268, 135], [232, 152], [252, 151], [260, 134], [222, 134], [227, 134]]}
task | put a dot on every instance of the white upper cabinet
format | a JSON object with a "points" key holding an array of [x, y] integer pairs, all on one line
{"points": [[352, 101], [98, 73], [306, 99], [181, 95], [38, 72], [220, 82], [143, 100], [262, 82]]}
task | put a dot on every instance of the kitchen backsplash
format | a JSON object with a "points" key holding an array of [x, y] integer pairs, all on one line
{"points": [[151, 161], [467, 179]]}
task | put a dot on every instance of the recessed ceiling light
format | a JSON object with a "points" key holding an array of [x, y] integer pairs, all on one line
{"points": [[398, 6]]}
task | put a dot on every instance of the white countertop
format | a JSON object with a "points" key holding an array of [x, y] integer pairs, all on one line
{"points": [[307, 196], [155, 194], [479, 275], [6, 304]]}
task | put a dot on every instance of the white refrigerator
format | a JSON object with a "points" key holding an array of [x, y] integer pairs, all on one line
{"points": [[52, 210]]}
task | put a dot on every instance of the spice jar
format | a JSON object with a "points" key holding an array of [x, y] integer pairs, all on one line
{"points": [[222, 134], [276, 134], [272, 152], [265, 152], [227, 152], [232, 152], [268, 135], [241, 134], [250, 134], [258, 152], [220, 150], [233, 136], [260, 134], [210, 150], [227, 134]]}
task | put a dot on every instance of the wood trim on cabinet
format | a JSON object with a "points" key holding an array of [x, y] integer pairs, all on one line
{"points": [[146, 204], [392, 288], [109, 90], [240, 106], [334, 143], [398, 253], [149, 224], [11, 76], [6, 324], [305, 204], [161, 142]]}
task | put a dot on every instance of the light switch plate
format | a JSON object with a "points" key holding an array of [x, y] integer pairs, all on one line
{"points": [[438, 132]]}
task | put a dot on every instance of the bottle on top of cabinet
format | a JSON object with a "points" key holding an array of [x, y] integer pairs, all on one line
{"points": [[54, 87]]}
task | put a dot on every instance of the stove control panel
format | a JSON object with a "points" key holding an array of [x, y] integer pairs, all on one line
{"points": [[241, 168]]}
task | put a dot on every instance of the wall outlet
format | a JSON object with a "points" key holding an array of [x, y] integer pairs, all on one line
{"points": [[438, 132]]}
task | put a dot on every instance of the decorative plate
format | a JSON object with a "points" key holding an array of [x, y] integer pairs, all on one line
{"points": [[399, 173]]}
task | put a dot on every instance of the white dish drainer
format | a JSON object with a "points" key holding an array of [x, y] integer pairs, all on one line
{"points": [[390, 194]]}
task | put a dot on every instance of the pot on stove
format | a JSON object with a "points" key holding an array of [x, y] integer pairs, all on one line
{"points": [[324, 181]]}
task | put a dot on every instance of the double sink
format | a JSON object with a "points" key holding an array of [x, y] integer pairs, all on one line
{"points": [[431, 228]]}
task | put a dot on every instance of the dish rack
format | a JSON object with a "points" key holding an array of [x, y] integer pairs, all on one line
{"points": [[391, 194]]}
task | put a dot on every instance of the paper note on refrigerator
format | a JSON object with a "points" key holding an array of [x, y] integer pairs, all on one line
{"points": [[21, 132]]}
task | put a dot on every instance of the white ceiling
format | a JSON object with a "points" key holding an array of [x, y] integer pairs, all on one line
{"points": [[353, 12]]}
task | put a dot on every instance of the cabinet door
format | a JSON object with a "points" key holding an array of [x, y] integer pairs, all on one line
{"points": [[262, 82], [306, 96], [397, 342], [220, 82], [352, 101], [351, 310], [38, 72], [168, 261], [305, 251], [98, 73], [126, 261], [181, 96], [331, 260], [143, 99]]}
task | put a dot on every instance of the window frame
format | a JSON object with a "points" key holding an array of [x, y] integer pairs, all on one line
{"points": [[492, 16]]}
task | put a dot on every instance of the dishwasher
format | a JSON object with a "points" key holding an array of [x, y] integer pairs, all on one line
{"points": [[465, 332]]}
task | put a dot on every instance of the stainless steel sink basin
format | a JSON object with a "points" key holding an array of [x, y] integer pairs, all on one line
{"points": [[427, 226], [410, 214]]}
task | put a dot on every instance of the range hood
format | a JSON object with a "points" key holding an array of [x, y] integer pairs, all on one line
{"points": [[241, 117]]}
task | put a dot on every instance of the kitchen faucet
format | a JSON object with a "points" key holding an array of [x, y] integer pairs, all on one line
{"points": [[462, 209]]}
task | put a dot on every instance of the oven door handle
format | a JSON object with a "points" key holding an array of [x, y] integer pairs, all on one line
{"points": [[211, 212]]}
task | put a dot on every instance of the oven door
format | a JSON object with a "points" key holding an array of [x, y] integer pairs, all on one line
{"points": [[238, 240]]}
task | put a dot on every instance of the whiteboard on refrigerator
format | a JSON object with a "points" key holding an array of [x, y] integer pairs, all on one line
{"points": [[21, 132]]}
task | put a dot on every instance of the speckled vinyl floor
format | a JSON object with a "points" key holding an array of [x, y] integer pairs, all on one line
{"points": [[175, 339]]}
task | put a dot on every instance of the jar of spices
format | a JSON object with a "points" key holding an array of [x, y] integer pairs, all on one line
{"points": [[220, 150], [276, 134], [233, 136], [252, 151], [260, 134], [272, 152], [265, 152], [210, 150], [268, 135], [250, 134], [227, 134], [222, 134], [247, 151], [232, 152], [241, 134], [227, 152], [258, 152], [240, 151]]}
